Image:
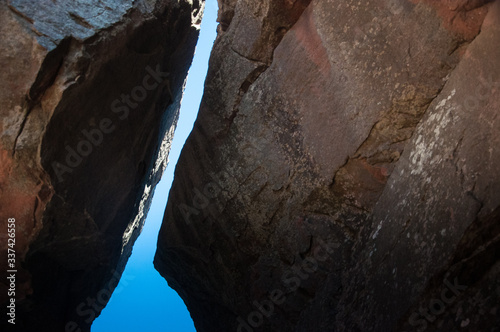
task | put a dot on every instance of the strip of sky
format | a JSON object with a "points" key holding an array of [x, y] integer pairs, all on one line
{"points": [[143, 301]]}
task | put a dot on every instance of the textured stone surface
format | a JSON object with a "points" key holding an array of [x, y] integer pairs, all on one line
{"points": [[365, 130], [66, 65]]}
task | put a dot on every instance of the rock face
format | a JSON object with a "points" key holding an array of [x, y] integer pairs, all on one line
{"points": [[90, 98], [343, 173]]}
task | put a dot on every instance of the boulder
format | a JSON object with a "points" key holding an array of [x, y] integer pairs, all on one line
{"points": [[342, 174], [90, 94]]}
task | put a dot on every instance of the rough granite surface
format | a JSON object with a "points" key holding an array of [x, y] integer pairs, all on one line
{"points": [[90, 94], [343, 172]]}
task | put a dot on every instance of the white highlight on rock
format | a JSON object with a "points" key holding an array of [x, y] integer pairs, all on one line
{"points": [[423, 152], [139, 218]]}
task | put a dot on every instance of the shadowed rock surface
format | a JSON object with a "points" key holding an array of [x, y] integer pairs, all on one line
{"points": [[89, 101], [343, 173]]}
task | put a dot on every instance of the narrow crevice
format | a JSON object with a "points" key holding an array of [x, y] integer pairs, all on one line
{"points": [[81, 21], [37, 203], [245, 86], [246, 57], [18, 13]]}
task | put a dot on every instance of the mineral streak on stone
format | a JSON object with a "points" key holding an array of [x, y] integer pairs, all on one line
{"points": [[90, 93], [365, 130]]}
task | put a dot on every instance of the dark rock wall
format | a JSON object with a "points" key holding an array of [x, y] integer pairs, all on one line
{"points": [[89, 102], [343, 173]]}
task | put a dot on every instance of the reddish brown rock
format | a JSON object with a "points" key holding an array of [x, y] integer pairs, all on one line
{"points": [[346, 179], [78, 162], [463, 17]]}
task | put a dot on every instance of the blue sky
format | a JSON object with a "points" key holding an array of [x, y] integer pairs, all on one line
{"points": [[143, 301]]}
